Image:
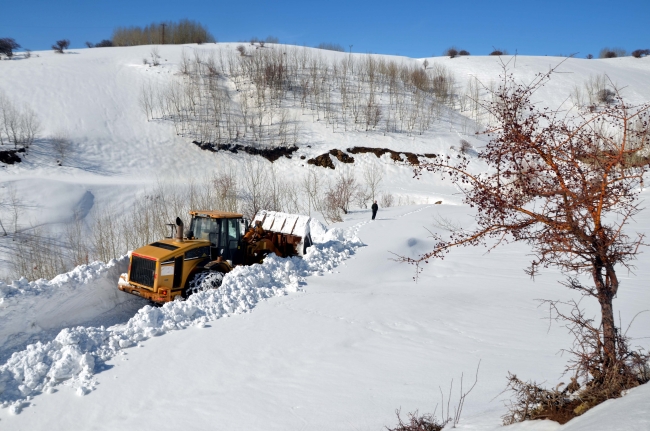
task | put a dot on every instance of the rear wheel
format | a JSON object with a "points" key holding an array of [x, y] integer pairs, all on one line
{"points": [[203, 281]]}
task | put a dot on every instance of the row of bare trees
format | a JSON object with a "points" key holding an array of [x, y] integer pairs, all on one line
{"points": [[168, 32], [36, 252], [224, 96]]}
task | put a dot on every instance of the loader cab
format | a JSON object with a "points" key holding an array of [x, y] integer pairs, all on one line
{"points": [[223, 230]]}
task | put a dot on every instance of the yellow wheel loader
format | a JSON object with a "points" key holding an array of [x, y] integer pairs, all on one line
{"points": [[214, 244]]}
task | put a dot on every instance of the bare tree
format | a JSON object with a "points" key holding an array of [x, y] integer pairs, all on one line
{"points": [[372, 176], [7, 46], [61, 145], [567, 186], [155, 56], [341, 193], [60, 45]]}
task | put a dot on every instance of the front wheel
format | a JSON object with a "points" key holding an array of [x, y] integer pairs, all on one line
{"points": [[203, 281]]}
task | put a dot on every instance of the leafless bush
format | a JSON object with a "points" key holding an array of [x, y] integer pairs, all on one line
{"points": [[60, 45], [36, 255], [61, 144], [386, 200], [590, 56], [90, 44], [465, 146], [417, 422], [77, 242], [17, 126], [451, 52], [155, 56], [429, 422], [241, 49], [463, 52], [638, 53], [372, 176], [341, 193], [499, 52], [272, 39], [612, 52], [606, 96], [7, 46]]}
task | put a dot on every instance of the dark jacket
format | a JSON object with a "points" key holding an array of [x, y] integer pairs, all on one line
{"points": [[374, 207]]}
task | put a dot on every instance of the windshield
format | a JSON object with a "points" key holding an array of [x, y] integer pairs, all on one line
{"points": [[202, 227]]}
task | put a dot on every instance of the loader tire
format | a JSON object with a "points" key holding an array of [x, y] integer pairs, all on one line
{"points": [[204, 280]]}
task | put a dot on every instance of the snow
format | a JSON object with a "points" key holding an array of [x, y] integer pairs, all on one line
{"points": [[336, 340]]}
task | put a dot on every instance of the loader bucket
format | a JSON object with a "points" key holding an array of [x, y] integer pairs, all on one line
{"points": [[294, 227]]}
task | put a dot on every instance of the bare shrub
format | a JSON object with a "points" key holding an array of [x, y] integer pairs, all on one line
{"points": [[90, 44], [499, 52], [104, 43], [638, 53], [606, 96], [330, 46], [272, 39], [465, 146], [372, 176], [36, 255], [612, 53], [241, 49], [590, 56], [341, 193], [417, 422], [451, 52], [61, 145], [531, 401], [386, 200], [429, 422], [7, 46], [463, 52], [17, 126], [60, 45], [155, 56]]}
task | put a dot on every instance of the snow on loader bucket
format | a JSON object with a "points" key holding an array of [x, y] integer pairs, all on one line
{"points": [[214, 244]]}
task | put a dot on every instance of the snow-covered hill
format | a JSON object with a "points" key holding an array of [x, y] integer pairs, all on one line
{"points": [[336, 341]]}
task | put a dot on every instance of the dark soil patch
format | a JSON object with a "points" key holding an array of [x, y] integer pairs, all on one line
{"points": [[11, 156], [341, 156], [324, 161], [270, 154], [412, 158]]}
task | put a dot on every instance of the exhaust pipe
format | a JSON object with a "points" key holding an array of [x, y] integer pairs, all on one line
{"points": [[179, 230]]}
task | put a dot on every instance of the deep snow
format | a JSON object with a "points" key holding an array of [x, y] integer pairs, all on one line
{"points": [[300, 350]]}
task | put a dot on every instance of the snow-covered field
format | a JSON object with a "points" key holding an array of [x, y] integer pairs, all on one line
{"points": [[338, 340]]}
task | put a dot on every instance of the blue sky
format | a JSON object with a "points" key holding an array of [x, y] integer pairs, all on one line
{"points": [[404, 27]]}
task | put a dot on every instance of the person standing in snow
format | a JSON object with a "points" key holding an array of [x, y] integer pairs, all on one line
{"points": [[374, 209]]}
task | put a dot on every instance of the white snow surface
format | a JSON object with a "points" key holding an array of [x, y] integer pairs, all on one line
{"points": [[335, 341], [73, 355]]}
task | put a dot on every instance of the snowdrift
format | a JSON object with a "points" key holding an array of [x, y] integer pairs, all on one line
{"points": [[77, 352], [29, 309]]}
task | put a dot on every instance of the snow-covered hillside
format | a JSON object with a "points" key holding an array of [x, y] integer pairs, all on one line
{"points": [[338, 340]]}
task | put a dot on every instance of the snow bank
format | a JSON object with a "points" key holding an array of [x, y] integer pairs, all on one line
{"points": [[30, 308], [75, 353]]}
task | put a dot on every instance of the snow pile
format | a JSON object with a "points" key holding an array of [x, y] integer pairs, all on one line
{"points": [[28, 309], [75, 353]]}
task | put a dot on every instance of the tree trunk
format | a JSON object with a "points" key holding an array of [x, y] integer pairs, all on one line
{"points": [[606, 289]]}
